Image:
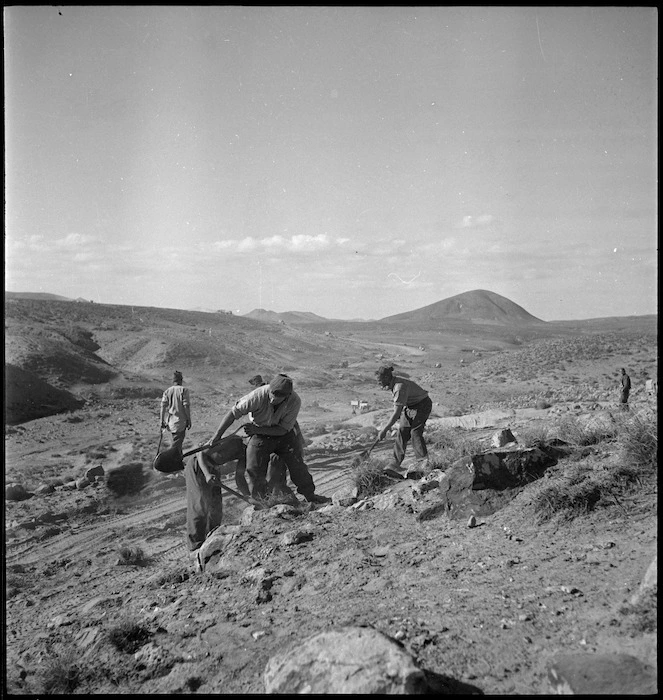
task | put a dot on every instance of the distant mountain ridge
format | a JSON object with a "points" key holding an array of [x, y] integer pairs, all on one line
{"points": [[43, 296], [477, 306]]}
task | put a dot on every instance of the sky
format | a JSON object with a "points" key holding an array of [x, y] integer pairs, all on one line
{"points": [[352, 162]]}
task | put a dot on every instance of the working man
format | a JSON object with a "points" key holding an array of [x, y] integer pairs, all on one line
{"points": [[625, 389], [412, 407], [175, 411], [273, 410], [204, 505]]}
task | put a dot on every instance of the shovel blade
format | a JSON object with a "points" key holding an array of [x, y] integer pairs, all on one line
{"points": [[169, 461]]}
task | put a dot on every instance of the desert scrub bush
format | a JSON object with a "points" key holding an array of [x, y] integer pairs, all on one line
{"points": [[534, 436], [638, 441], [128, 636], [576, 432], [132, 556], [369, 478], [61, 673], [452, 444], [574, 493]]}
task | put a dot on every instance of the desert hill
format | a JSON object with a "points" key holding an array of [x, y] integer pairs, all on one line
{"points": [[43, 296], [292, 317], [478, 306]]}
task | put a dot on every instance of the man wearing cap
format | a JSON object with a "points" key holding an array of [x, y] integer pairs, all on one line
{"points": [[273, 409], [176, 410], [412, 407]]}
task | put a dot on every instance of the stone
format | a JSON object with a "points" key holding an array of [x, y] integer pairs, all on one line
{"points": [[345, 497], [82, 483], [601, 674], [481, 484], [17, 492], [502, 437], [349, 660], [44, 489], [93, 472]]}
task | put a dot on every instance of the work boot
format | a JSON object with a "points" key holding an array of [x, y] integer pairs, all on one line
{"points": [[392, 473], [317, 498]]}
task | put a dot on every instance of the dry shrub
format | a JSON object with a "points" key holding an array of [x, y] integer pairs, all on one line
{"points": [[369, 478], [61, 673], [451, 444], [574, 494], [638, 440], [534, 436], [132, 556], [128, 636], [127, 479], [576, 432]]}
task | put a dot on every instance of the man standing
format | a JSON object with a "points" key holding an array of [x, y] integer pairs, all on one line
{"points": [[412, 407], [625, 389], [273, 410], [176, 411]]}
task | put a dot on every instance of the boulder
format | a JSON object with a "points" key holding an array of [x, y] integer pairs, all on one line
{"points": [[502, 437], [94, 472], [349, 660], [17, 492], [483, 483]]}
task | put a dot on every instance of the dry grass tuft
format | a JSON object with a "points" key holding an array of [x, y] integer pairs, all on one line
{"points": [[369, 478], [578, 490]]}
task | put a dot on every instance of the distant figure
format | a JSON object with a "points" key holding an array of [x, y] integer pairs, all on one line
{"points": [[412, 407], [625, 389], [176, 410]]}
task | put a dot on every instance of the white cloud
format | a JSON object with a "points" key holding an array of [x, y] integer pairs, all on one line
{"points": [[477, 221], [299, 243]]}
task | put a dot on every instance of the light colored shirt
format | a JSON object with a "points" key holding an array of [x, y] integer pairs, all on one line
{"points": [[407, 393], [176, 400], [261, 412]]}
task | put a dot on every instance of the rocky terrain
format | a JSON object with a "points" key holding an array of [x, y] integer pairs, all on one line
{"points": [[103, 597]]}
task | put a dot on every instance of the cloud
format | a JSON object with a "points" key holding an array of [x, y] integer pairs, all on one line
{"points": [[481, 221], [297, 244]]}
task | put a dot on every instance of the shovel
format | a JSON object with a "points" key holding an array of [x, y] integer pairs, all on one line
{"points": [[363, 456], [172, 460]]}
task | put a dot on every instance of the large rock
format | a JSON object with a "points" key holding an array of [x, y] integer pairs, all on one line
{"points": [[17, 492], [349, 660], [483, 483], [601, 674]]}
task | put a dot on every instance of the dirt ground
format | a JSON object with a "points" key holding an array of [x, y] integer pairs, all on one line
{"points": [[103, 597]]}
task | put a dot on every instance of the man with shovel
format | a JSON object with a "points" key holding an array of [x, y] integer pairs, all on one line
{"points": [[273, 410]]}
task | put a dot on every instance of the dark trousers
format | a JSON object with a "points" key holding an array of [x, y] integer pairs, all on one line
{"points": [[204, 506], [177, 439], [288, 448], [411, 425]]}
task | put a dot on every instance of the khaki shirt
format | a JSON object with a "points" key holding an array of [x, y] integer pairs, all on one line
{"points": [[261, 412], [407, 393]]}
